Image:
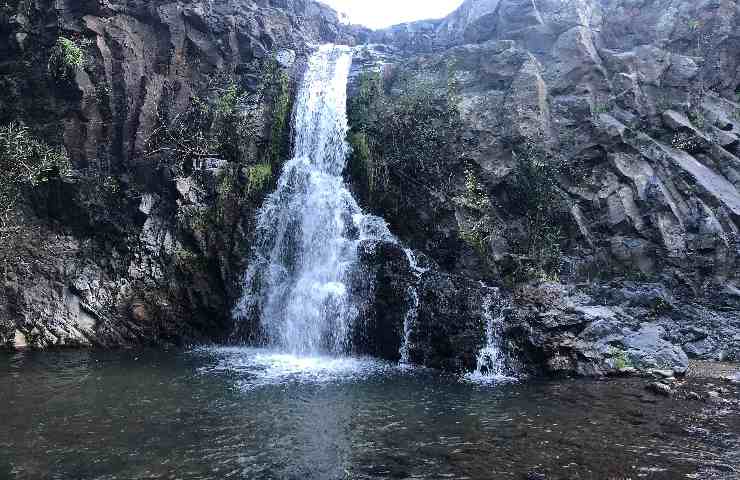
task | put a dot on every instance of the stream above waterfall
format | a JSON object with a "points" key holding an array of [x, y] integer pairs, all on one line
{"points": [[221, 413]]}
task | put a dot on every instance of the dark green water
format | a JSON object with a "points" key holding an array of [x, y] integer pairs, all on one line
{"points": [[248, 414]]}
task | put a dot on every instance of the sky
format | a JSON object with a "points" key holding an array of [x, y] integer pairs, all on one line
{"points": [[384, 13]]}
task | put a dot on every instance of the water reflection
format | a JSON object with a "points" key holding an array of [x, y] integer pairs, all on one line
{"points": [[217, 413]]}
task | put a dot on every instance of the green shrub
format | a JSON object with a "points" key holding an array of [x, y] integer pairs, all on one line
{"points": [[697, 118], [475, 197], [600, 108], [24, 162], [226, 103], [258, 177], [66, 57], [401, 138], [536, 196], [476, 235], [620, 358]]}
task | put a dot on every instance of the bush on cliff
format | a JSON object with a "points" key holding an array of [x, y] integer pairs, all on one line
{"points": [[536, 197], [66, 57], [401, 138], [25, 163]]}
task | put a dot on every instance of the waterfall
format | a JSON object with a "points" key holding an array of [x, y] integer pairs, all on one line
{"points": [[493, 362], [308, 230], [409, 321]]}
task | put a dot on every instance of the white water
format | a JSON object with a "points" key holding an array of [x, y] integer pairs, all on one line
{"points": [[492, 359], [308, 230], [409, 321]]}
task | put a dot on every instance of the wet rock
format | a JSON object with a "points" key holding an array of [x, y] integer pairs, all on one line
{"points": [[693, 396], [451, 322], [714, 396], [660, 388], [381, 289]]}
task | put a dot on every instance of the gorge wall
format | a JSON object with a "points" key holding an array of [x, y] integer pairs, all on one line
{"points": [[580, 156], [174, 116]]}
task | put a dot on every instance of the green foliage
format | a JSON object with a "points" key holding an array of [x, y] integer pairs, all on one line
{"points": [[25, 162], [476, 231], [400, 138], [475, 197], [697, 118], [227, 101], [66, 57], [364, 167], [258, 177], [537, 197], [476, 235], [362, 104], [280, 112], [620, 358], [600, 108], [660, 307]]}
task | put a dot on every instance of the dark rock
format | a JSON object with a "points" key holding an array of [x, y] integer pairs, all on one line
{"points": [[660, 388], [382, 286], [693, 396], [451, 322]]}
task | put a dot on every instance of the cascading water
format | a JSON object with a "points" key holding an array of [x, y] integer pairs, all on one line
{"points": [[412, 313], [492, 359], [308, 230]]}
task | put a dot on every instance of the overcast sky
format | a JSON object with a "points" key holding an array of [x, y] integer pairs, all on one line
{"points": [[384, 13]]}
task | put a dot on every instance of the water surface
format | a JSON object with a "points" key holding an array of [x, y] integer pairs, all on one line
{"points": [[218, 413]]}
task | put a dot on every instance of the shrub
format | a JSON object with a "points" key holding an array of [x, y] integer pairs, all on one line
{"points": [[258, 177], [66, 57], [24, 162], [537, 197], [620, 358], [402, 138]]}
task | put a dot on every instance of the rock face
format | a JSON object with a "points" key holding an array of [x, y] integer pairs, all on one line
{"points": [[581, 156], [637, 106], [147, 241]]}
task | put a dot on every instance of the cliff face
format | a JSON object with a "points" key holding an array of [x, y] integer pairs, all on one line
{"points": [[593, 172], [174, 115], [580, 156]]}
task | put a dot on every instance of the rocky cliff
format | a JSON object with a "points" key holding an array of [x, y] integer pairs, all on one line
{"points": [[173, 116], [581, 157]]}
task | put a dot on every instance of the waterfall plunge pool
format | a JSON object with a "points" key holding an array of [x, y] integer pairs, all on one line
{"points": [[220, 413]]}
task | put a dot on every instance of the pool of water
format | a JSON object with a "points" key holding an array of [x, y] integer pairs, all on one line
{"points": [[220, 413]]}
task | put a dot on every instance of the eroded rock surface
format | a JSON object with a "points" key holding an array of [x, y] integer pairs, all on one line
{"points": [[638, 104]]}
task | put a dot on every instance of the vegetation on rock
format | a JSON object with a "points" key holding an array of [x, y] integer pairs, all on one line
{"points": [[399, 138], [25, 162], [537, 197], [66, 57]]}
